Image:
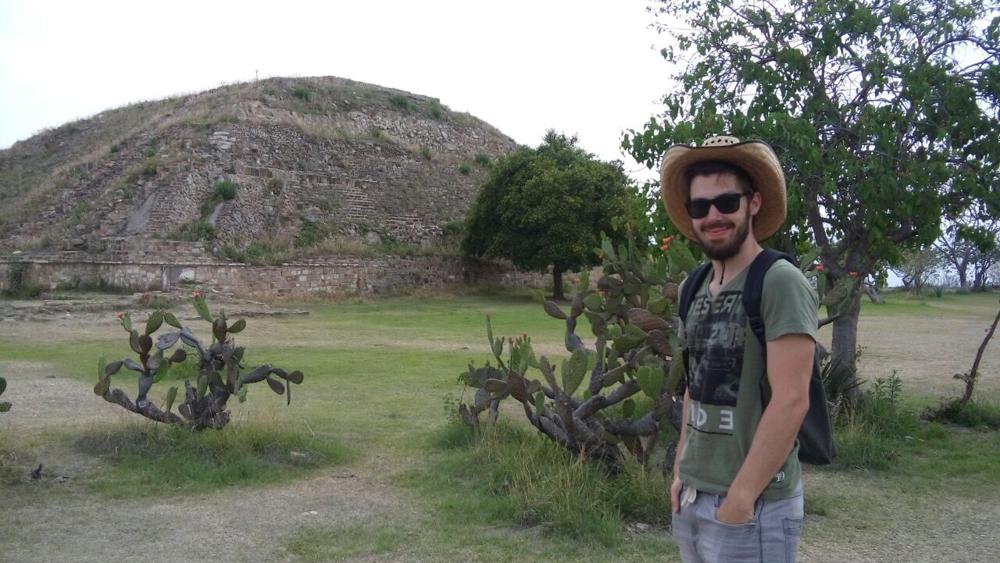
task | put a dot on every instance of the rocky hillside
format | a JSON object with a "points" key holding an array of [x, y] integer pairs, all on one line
{"points": [[320, 165]]}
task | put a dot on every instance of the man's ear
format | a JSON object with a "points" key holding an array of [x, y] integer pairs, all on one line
{"points": [[755, 202]]}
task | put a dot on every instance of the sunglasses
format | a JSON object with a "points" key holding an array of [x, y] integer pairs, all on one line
{"points": [[725, 203]]}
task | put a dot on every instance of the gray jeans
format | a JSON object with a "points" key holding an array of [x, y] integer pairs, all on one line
{"points": [[771, 536]]}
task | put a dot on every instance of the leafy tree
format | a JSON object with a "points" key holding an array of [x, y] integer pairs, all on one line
{"points": [[917, 268], [548, 207], [971, 242], [884, 114]]}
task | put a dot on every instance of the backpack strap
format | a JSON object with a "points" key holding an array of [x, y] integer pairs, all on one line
{"points": [[694, 281], [753, 291]]}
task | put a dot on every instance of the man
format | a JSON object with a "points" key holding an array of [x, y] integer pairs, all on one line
{"points": [[737, 491]]}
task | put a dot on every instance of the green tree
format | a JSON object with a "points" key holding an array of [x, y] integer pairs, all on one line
{"points": [[884, 114], [971, 241], [918, 268], [548, 207]]}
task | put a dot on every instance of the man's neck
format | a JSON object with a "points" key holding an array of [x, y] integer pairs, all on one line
{"points": [[724, 270]]}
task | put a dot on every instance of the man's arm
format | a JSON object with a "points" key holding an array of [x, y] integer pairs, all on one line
{"points": [[789, 367], [675, 486]]}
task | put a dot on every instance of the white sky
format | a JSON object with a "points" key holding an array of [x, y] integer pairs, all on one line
{"points": [[583, 67]]}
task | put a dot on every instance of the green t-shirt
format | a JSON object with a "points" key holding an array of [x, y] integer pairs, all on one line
{"points": [[726, 365]]}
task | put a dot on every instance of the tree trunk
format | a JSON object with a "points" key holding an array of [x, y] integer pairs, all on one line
{"points": [[557, 286], [873, 293], [979, 283], [845, 339], [970, 382]]}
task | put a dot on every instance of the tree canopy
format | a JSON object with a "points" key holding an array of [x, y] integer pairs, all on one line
{"points": [[548, 207], [971, 243], [884, 114]]}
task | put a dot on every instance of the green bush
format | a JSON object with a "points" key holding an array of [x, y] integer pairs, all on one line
{"points": [[435, 109], [971, 414], [464, 169], [302, 93], [17, 286], [141, 460], [514, 476], [4, 406], [225, 190], [199, 229], [483, 159], [871, 433], [400, 101], [149, 167], [425, 152], [311, 233]]}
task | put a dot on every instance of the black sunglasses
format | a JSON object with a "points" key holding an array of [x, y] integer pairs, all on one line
{"points": [[725, 203]]}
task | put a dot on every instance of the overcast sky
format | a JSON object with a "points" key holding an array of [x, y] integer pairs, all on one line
{"points": [[590, 68]]}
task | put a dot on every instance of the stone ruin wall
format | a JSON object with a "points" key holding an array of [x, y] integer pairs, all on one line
{"points": [[175, 266]]}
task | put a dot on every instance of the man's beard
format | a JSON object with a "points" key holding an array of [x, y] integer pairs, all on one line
{"points": [[728, 249]]}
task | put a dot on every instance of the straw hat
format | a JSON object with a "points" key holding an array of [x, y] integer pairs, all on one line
{"points": [[755, 157]]}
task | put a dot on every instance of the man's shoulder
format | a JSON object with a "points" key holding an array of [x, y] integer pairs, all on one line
{"points": [[783, 270]]}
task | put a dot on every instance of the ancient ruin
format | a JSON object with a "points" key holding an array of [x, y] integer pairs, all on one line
{"points": [[285, 186]]}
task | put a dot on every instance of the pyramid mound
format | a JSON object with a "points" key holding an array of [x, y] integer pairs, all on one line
{"points": [[321, 165]]}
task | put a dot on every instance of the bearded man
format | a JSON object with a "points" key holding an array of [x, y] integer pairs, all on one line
{"points": [[737, 490]]}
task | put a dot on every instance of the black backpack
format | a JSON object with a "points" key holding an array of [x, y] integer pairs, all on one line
{"points": [[816, 433]]}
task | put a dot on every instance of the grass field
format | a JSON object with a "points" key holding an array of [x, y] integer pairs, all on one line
{"points": [[365, 463]]}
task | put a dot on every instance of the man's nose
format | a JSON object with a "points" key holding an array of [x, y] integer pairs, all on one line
{"points": [[714, 213]]}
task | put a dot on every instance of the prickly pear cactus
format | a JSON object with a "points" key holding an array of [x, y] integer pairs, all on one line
{"points": [[614, 398], [220, 370], [4, 406]]}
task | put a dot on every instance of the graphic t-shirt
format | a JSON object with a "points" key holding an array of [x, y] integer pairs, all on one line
{"points": [[725, 363]]}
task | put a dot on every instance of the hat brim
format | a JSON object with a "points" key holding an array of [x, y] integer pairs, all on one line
{"points": [[755, 157]]}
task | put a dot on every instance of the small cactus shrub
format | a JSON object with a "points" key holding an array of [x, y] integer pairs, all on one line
{"points": [[4, 406], [611, 399], [220, 375]]}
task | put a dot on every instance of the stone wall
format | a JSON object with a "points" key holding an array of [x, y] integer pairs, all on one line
{"points": [[363, 276]]}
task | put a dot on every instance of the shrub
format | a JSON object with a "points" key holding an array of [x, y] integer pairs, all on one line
{"points": [[425, 152], [220, 370], [199, 229], [17, 285], [149, 167], [533, 482], [870, 435], [483, 160], [225, 190], [971, 414], [399, 101], [4, 406], [464, 169], [630, 363], [311, 233], [302, 93], [434, 108]]}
